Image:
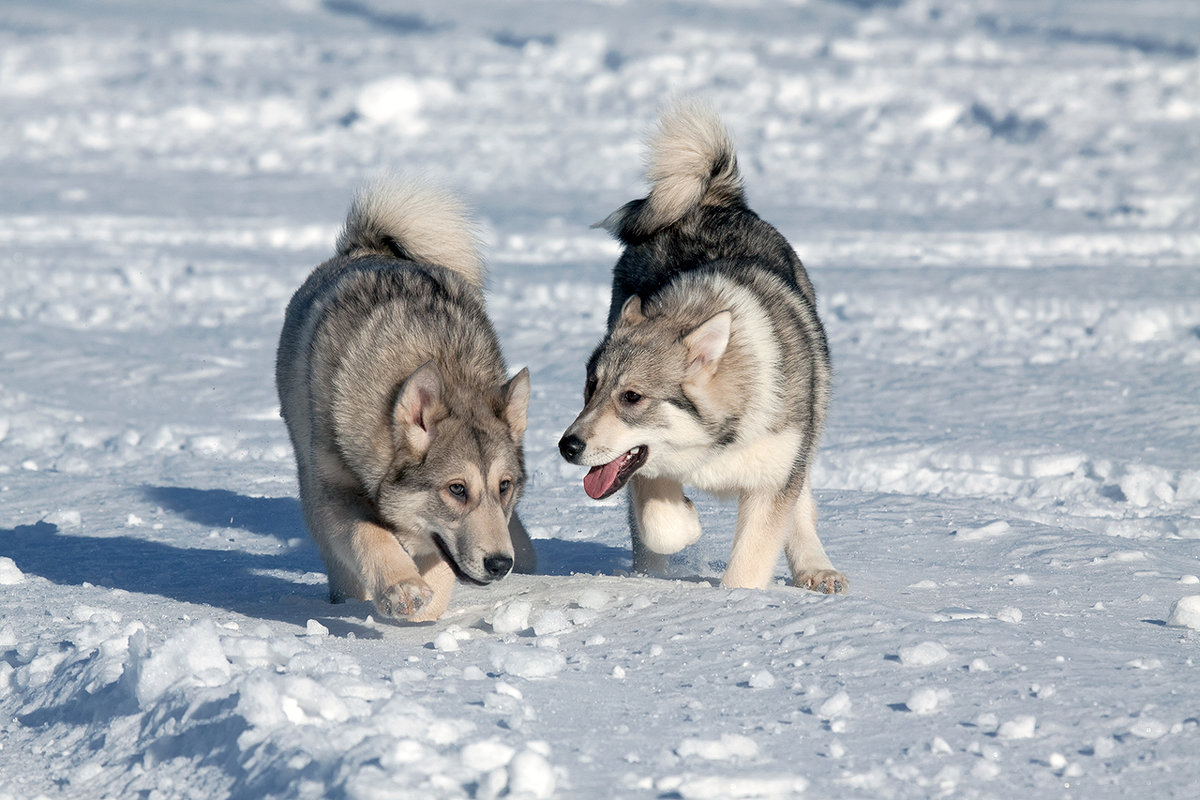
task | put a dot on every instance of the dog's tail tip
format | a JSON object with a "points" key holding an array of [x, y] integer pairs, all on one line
{"points": [[691, 162], [415, 219]]}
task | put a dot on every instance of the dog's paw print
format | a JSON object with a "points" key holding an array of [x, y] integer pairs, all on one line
{"points": [[404, 599], [827, 581]]}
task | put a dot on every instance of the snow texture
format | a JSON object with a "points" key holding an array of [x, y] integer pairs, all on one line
{"points": [[999, 206]]}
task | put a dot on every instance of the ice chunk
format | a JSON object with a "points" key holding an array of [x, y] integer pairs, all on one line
{"points": [[314, 628]]}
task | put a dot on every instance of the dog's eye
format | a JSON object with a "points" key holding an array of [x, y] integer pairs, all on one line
{"points": [[505, 485], [631, 397], [458, 490]]}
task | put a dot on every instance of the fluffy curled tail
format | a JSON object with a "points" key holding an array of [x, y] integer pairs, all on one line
{"points": [[415, 220], [691, 163]]}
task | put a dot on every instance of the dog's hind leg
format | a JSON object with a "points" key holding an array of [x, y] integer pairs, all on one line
{"points": [[764, 519], [811, 568], [662, 520]]}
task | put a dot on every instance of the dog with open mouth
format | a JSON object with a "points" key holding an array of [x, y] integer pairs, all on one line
{"points": [[407, 431], [714, 371]]}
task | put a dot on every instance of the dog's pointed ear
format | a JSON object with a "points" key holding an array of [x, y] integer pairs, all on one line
{"points": [[515, 399], [705, 346], [631, 312], [418, 408]]}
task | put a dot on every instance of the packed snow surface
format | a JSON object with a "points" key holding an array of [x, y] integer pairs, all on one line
{"points": [[999, 204]]}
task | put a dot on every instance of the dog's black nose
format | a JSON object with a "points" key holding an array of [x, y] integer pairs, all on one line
{"points": [[571, 447], [497, 566]]}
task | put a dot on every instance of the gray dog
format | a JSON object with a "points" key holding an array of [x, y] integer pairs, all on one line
{"points": [[407, 430], [714, 371]]}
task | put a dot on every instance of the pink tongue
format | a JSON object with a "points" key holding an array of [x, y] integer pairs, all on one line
{"points": [[600, 479]]}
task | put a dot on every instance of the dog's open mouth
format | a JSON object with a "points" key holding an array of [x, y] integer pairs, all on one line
{"points": [[603, 480]]}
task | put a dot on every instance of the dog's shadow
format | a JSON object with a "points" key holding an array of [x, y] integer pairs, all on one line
{"points": [[252, 584], [257, 585]]}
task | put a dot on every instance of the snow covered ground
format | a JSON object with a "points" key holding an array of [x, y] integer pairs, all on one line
{"points": [[999, 203]]}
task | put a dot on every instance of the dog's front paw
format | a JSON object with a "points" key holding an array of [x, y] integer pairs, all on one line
{"points": [[828, 581], [404, 599]]}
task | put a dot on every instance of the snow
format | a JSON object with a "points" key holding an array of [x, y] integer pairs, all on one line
{"points": [[1186, 613], [998, 204]]}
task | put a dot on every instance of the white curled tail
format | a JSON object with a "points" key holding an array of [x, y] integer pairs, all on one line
{"points": [[413, 219], [692, 162]]}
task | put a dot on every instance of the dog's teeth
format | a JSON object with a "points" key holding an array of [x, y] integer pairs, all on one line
{"points": [[635, 451]]}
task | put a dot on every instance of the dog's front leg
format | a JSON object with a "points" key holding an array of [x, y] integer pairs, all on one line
{"points": [[366, 561], [811, 568], [763, 523], [662, 521], [439, 576], [390, 574]]}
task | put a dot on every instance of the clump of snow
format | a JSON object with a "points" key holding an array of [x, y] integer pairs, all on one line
{"points": [[191, 658], [526, 662], [923, 701], [836, 706], [314, 628], [445, 642], [988, 531], [1145, 485], [550, 622], [487, 755], [531, 775], [66, 519], [594, 599], [1022, 727], [512, 617], [923, 654], [1186, 613], [720, 787], [762, 679], [730, 746], [1010, 614], [10, 573], [1148, 728]]}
